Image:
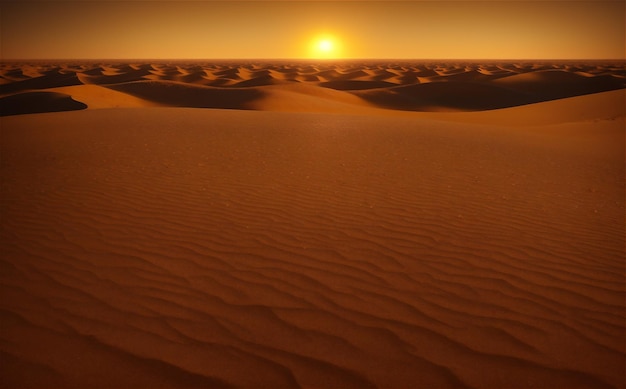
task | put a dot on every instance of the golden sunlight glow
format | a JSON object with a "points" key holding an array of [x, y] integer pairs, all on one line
{"points": [[325, 46], [313, 29]]}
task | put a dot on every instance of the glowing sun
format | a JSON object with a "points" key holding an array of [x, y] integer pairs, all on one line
{"points": [[325, 46]]}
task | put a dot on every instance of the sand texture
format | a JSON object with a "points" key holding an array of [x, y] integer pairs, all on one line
{"points": [[316, 233]]}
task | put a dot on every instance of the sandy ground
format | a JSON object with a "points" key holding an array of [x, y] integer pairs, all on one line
{"points": [[315, 237]]}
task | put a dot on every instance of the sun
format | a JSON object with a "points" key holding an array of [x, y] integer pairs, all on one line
{"points": [[325, 46]]}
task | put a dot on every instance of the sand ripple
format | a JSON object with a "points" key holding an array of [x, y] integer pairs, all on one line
{"points": [[193, 248]]}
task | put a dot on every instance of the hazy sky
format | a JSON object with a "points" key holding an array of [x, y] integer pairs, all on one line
{"points": [[287, 29]]}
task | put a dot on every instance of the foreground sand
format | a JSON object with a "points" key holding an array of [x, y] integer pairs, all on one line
{"points": [[148, 247]]}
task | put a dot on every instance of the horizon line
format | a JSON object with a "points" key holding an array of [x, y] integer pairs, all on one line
{"points": [[309, 59]]}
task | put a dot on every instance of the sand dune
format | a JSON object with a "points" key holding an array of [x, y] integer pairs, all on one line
{"points": [[312, 237], [97, 97], [99, 76], [439, 96], [37, 102], [310, 98], [589, 108], [556, 84], [393, 86], [189, 95], [356, 84], [56, 79]]}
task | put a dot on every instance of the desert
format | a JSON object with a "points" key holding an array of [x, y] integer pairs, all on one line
{"points": [[312, 224]]}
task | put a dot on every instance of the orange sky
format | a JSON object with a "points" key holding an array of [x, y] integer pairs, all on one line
{"points": [[285, 29]]}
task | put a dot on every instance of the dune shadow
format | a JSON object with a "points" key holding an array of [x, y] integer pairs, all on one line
{"points": [[38, 102], [189, 95]]}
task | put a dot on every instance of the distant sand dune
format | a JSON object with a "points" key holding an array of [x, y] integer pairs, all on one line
{"points": [[399, 86], [356, 84], [435, 96], [97, 97], [103, 78], [54, 80], [556, 84], [309, 98], [189, 95]]}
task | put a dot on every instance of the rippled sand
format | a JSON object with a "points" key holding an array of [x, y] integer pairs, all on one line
{"points": [[321, 238]]}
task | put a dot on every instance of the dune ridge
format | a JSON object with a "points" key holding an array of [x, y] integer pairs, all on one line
{"points": [[175, 247], [407, 86]]}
